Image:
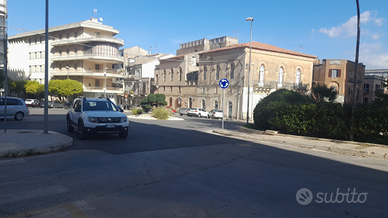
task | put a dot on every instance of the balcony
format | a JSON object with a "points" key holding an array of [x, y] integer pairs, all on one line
{"points": [[101, 38], [91, 73], [101, 89], [88, 56]]}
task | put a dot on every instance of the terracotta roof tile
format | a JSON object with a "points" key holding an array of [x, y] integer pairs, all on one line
{"points": [[261, 46]]}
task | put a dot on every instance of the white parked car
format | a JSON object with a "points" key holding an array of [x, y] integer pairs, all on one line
{"points": [[183, 111], [96, 115], [16, 108], [216, 114], [198, 112]]}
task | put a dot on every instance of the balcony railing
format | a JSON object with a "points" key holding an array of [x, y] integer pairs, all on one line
{"points": [[101, 89], [99, 73], [82, 39], [85, 55]]}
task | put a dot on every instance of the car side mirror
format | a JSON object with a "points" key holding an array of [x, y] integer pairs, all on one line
{"points": [[77, 109], [121, 110]]}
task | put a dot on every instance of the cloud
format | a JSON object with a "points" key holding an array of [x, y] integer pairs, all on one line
{"points": [[372, 57], [349, 28]]}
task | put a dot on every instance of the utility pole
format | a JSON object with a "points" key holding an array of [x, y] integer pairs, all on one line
{"points": [[355, 73]]}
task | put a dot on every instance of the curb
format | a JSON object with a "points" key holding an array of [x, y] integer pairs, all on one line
{"points": [[380, 151], [53, 141]]}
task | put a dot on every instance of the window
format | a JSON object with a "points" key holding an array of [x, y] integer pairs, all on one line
{"points": [[67, 51], [97, 82], [40, 39], [366, 88], [75, 66], [204, 73], [172, 75], [97, 67], [75, 34], [232, 71], [297, 79], [216, 105], [180, 74], [180, 89], [60, 52], [204, 104], [29, 41], [218, 72], [194, 60], [334, 73], [36, 40], [261, 75], [280, 79], [68, 35], [164, 76], [203, 90], [75, 51], [164, 88], [170, 88], [60, 36]]}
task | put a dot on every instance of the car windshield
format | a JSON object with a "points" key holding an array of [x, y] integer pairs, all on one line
{"points": [[99, 106]]}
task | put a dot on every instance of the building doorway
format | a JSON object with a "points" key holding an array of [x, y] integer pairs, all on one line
{"points": [[170, 101]]}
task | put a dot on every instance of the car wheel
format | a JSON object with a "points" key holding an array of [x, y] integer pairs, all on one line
{"points": [[70, 128], [208, 116], [199, 115], [181, 114], [123, 134], [19, 116], [81, 131]]}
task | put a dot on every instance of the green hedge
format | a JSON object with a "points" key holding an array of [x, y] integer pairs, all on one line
{"points": [[292, 113]]}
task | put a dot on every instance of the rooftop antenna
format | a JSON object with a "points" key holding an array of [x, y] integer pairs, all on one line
{"points": [[150, 50], [95, 12], [234, 33]]}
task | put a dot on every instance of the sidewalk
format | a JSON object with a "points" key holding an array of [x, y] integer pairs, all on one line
{"points": [[24, 142], [337, 146]]}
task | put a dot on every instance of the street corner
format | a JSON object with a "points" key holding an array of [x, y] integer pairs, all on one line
{"points": [[28, 142]]}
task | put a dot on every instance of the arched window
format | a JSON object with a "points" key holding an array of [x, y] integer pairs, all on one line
{"points": [[280, 79], [297, 79], [203, 104], [204, 73], [261, 75], [172, 74], [232, 66], [215, 105]]}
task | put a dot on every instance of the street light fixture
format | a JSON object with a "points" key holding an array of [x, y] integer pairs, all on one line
{"points": [[249, 75]]}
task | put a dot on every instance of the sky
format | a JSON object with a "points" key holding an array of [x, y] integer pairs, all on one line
{"points": [[326, 29]]}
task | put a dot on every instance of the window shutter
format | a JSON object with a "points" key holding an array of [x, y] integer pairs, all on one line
{"points": [[339, 73], [330, 73]]}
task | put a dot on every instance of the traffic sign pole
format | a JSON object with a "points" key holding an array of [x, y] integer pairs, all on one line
{"points": [[224, 83], [223, 104]]}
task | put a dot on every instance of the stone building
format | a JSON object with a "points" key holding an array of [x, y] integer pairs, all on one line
{"points": [[86, 51], [340, 75], [192, 80], [3, 29]]}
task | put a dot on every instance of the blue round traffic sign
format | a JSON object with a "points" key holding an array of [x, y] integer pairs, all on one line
{"points": [[224, 83]]}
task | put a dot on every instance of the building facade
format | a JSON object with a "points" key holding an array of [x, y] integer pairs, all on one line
{"points": [[86, 51], [139, 77], [340, 75], [192, 80]]}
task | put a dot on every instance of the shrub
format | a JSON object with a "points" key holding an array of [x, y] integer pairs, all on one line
{"points": [[268, 107], [161, 113], [136, 111]]}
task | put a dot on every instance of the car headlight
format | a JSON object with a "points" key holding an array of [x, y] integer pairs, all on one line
{"points": [[123, 119], [92, 119]]}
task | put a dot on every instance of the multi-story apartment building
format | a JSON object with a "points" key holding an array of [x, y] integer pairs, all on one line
{"points": [[86, 51], [193, 80], [340, 75]]}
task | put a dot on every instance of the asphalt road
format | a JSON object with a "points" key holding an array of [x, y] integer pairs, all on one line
{"points": [[178, 169]]}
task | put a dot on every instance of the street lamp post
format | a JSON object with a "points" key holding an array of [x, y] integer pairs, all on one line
{"points": [[249, 75]]}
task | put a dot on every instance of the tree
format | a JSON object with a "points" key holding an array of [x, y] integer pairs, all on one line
{"points": [[66, 87], [19, 87], [33, 87], [320, 93]]}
